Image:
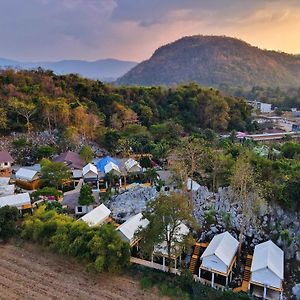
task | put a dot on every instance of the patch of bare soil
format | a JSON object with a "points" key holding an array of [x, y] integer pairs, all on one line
{"points": [[28, 272]]}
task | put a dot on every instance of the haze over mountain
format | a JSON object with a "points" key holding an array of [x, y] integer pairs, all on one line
{"points": [[215, 61], [103, 69]]}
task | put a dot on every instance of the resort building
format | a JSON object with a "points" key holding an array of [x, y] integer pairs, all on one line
{"points": [[97, 216]]}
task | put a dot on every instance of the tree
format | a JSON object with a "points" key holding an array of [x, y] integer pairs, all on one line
{"points": [[8, 218], [189, 157], [151, 175], [86, 195], [3, 118], [54, 173], [24, 109], [246, 192], [86, 153], [166, 214]]}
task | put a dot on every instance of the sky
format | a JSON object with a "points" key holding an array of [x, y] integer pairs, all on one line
{"points": [[40, 30]]}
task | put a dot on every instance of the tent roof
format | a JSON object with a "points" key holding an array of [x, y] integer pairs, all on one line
{"points": [[104, 161], [267, 255], [5, 157], [97, 216], [15, 200], [111, 166], [130, 163], [89, 168], [131, 225], [224, 246], [26, 174]]}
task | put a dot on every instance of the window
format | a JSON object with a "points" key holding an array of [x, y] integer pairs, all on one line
{"points": [[79, 209]]}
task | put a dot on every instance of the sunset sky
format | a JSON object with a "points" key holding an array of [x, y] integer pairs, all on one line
{"points": [[132, 29]]}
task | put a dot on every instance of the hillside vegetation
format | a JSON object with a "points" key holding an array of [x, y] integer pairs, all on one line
{"points": [[216, 61]]}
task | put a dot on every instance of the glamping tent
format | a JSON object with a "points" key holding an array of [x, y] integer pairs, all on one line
{"points": [[128, 229], [132, 166], [218, 259], [90, 176], [105, 161], [112, 167], [97, 216], [267, 271]]}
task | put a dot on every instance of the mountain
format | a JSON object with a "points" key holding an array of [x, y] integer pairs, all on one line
{"points": [[215, 61], [104, 69]]}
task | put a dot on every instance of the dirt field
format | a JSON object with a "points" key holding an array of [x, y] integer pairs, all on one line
{"points": [[27, 274]]}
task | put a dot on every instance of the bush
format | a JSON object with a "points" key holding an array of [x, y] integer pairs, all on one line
{"points": [[146, 283], [8, 220], [102, 246]]}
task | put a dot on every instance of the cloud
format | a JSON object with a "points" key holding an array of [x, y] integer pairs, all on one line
{"points": [[133, 29]]}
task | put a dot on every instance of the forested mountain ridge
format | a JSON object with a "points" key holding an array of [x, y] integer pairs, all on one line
{"points": [[216, 61], [103, 69]]}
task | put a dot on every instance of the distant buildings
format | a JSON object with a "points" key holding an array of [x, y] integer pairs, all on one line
{"points": [[5, 164], [261, 106]]}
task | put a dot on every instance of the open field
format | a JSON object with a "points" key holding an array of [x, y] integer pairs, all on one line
{"points": [[28, 272]]}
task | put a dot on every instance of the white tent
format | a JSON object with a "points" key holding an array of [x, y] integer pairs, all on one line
{"points": [[112, 167], [17, 200], [132, 166], [267, 265], [192, 184], [128, 229], [220, 253], [90, 171], [181, 232], [97, 216], [26, 174]]}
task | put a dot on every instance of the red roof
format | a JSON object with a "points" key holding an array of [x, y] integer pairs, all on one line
{"points": [[5, 157], [72, 159]]}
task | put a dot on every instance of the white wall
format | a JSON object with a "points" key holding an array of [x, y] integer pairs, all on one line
{"points": [[213, 262], [267, 277]]}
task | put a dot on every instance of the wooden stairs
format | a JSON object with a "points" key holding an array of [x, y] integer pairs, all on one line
{"points": [[195, 256], [246, 277]]}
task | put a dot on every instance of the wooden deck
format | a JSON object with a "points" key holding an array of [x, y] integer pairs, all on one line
{"points": [[152, 265], [195, 256], [246, 277]]}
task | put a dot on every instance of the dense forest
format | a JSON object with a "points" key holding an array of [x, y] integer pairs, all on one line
{"points": [[39, 99], [215, 61]]}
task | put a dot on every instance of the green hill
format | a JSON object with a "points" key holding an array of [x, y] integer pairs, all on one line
{"points": [[215, 61]]}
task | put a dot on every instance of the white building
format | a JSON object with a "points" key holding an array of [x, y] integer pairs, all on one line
{"points": [[6, 189], [218, 259], [97, 216], [112, 167], [261, 106], [90, 176], [267, 271], [128, 229]]}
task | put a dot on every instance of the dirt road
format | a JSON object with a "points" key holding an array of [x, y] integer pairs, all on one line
{"points": [[28, 272]]}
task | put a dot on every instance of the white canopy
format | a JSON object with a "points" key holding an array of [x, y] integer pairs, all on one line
{"points": [[220, 252], [90, 170], [267, 264], [129, 228], [16, 200], [97, 216], [26, 174], [111, 167], [132, 165]]}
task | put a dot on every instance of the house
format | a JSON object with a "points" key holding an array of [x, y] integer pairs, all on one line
{"points": [[266, 279], [5, 164], [112, 168], [261, 106], [90, 176], [71, 159], [105, 161], [128, 229], [132, 166], [97, 216], [27, 179], [217, 260], [20, 201], [6, 188]]}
